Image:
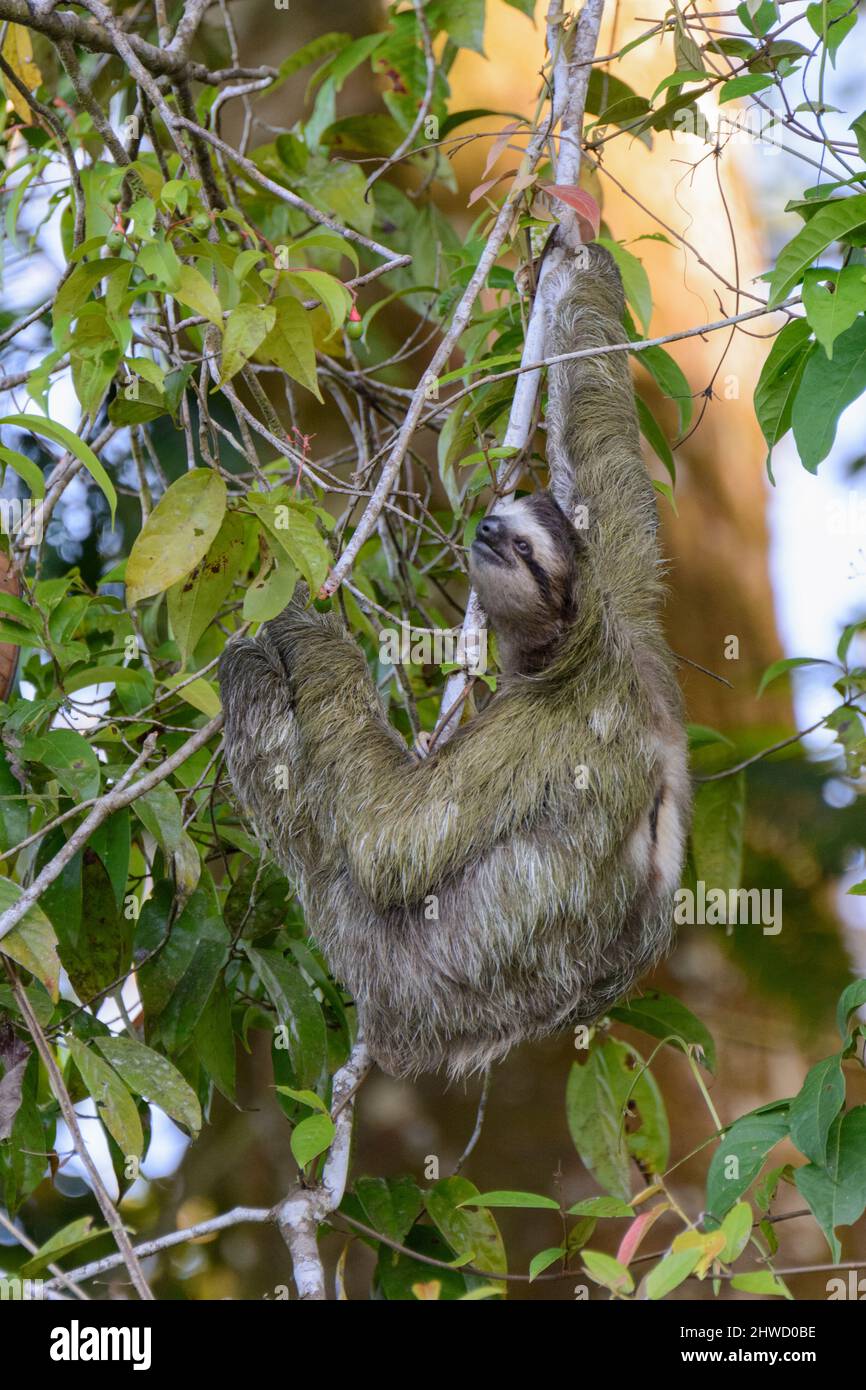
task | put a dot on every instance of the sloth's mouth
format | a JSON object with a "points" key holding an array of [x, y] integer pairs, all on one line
{"points": [[484, 550]]}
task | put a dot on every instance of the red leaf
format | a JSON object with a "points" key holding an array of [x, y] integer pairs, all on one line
{"points": [[587, 209], [636, 1232]]}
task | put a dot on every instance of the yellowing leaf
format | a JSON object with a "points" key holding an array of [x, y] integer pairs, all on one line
{"points": [[198, 693], [154, 1078], [32, 943], [114, 1105], [18, 52], [194, 291], [290, 343], [292, 527], [246, 328], [177, 534], [195, 602], [708, 1244]]}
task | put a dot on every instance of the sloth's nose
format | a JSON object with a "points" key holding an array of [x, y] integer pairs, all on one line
{"points": [[489, 528]]}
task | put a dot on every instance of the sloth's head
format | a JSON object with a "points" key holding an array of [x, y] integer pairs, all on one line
{"points": [[523, 565]]}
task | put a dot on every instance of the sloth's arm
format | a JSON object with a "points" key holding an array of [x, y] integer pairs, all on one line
{"points": [[594, 449], [301, 694]]}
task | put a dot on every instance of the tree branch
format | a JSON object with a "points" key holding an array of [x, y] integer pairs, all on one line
{"points": [[121, 795], [300, 1215]]}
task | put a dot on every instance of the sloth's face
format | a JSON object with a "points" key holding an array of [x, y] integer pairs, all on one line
{"points": [[523, 565]]}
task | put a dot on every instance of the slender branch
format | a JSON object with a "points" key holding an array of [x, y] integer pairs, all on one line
{"points": [[236, 1217], [462, 314], [27, 1244], [409, 139], [121, 795], [300, 1215], [67, 1109], [569, 97]]}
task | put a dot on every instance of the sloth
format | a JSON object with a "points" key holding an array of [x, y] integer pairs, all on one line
{"points": [[520, 879]]}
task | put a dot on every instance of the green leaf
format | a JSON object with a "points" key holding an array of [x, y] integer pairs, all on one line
{"points": [[14, 816], [177, 535], [469, 1233], [257, 901], [154, 1078], [512, 1199], [298, 1010], [337, 188], [740, 1157], [762, 1282], [76, 288], [736, 1228], [104, 675], [670, 379], [672, 1271], [194, 602], [832, 300], [98, 953], [601, 1207], [311, 1137], [28, 471], [114, 1104], [661, 1016], [270, 593], [780, 380], [159, 812], [826, 389], [194, 291], [291, 526], [391, 1205], [858, 126], [635, 280], [308, 1098], [331, 292], [655, 437], [833, 222], [214, 1040], [59, 434], [69, 757], [813, 1111], [597, 1095], [607, 1271], [185, 961], [463, 21], [544, 1259], [32, 943], [787, 663], [687, 51], [836, 1191], [743, 86], [290, 343], [852, 996], [832, 20], [318, 48], [717, 831], [246, 328], [62, 1243]]}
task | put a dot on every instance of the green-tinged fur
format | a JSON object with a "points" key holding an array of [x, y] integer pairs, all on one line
{"points": [[520, 879]]}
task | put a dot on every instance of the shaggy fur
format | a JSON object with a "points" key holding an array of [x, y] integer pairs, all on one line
{"points": [[520, 879]]}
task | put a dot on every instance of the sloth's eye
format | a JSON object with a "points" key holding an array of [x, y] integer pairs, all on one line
{"points": [[522, 547]]}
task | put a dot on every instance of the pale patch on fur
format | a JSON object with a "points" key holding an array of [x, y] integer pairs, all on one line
{"points": [[519, 515]]}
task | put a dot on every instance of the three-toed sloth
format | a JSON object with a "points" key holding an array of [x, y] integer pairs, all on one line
{"points": [[521, 878]]}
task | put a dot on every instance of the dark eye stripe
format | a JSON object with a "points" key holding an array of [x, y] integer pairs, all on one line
{"points": [[539, 574]]}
